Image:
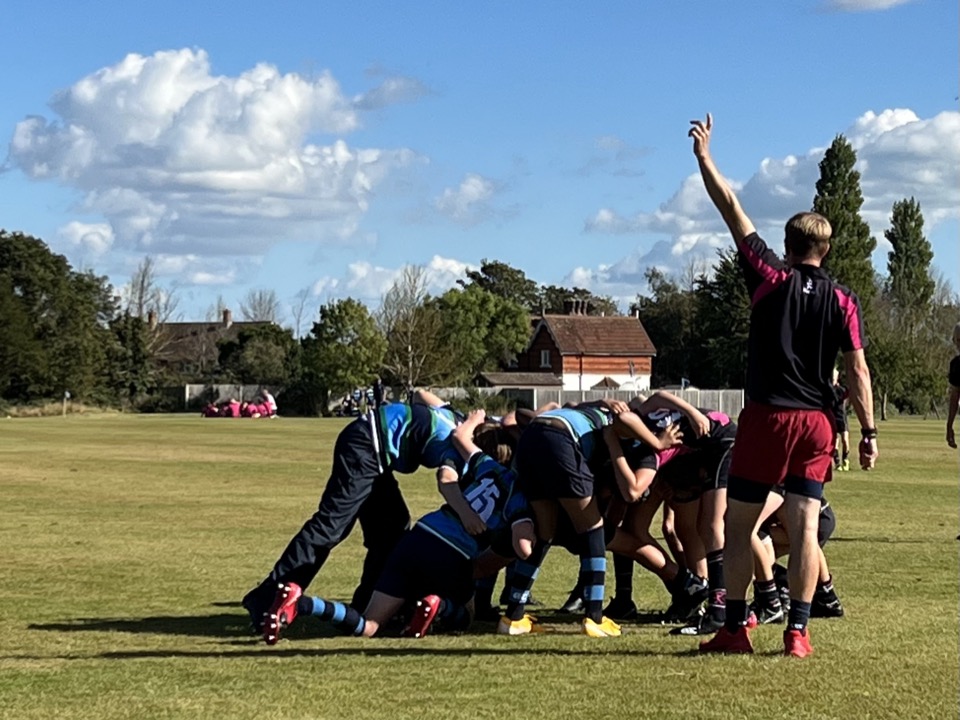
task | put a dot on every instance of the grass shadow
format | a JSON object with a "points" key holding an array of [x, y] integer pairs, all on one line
{"points": [[218, 626], [368, 649]]}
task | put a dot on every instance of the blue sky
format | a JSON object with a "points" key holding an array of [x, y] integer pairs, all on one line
{"points": [[273, 146]]}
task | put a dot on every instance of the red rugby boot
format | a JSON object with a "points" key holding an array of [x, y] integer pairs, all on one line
{"points": [[423, 615], [728, 643], [796, 643], [282, 612]]}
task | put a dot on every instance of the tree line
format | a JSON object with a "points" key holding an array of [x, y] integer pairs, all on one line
{"points": [[66, 330]]}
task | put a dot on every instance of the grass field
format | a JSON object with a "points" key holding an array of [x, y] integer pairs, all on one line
{"points": [[126, 542]]}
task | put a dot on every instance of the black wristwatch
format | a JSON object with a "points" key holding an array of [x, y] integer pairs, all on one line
{"points": [[869, 433]]}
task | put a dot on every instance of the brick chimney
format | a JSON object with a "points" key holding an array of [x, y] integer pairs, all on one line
{"points": [[152, 319], [227, 318]]}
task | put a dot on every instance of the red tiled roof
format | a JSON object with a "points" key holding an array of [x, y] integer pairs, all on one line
{"points": [[590, 335]]}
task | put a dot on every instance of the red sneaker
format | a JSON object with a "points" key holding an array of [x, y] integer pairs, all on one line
{"points": [[796, 643], [730, 643], [282, 612], [423, 615]]}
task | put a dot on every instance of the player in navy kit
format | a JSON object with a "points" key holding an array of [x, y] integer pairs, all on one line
{"points": [[394, 438], [487, 524], [800, 320], [557, 456]]}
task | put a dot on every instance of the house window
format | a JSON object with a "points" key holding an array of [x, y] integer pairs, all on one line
{"points": [[544, 358]]}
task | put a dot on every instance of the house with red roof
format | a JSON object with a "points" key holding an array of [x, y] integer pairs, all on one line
{"points": [[590, 352]]}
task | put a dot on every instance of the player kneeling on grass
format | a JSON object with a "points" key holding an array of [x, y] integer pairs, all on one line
{"points": [[485, 523]]}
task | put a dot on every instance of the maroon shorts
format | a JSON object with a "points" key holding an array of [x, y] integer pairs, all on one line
{"points": [[775, 443]]}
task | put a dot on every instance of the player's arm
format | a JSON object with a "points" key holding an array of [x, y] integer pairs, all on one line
{"points": [[629, 425], [861, 397], [448, 482], [663, 399], [463, 434], [717, 187], [631, 483]]}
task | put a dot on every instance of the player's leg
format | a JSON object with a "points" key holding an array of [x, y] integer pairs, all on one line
{"points": [[766, 598], [826, 604], [669, 531], [622, 606], [384, 518], [809, 468], [355, 468], [584, 513], [686, 510], [515, 620], [713, 506], [760, 459]]}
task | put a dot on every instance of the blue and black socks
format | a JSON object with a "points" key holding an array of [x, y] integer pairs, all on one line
{"points": [[337, 613], [521, 580], [593, 569]]}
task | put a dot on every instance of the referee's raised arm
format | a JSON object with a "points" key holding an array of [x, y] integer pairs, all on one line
{"points": [[717, 187]]}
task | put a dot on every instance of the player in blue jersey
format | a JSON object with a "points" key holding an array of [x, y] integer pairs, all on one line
{"points": [[557, 456], [394, 438], [485, 523]]}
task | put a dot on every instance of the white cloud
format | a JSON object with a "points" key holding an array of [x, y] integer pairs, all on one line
{"points": [[862, 5], [391, 91], [95, 237], [899, 155], [369, 282], [469, 203], [176, 158]]}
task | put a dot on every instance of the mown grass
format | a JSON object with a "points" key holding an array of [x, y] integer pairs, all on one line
{"points": [[126, 542]]}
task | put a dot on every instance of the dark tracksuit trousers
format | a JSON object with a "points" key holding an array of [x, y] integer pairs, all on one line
{"points": [[356, 490]]}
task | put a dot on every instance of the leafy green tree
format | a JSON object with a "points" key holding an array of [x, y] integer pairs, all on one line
{"points": [[413, 326], [910, 282], [839, 199], [132, 369], [262, 355], [480, 330], [68, 313], [669, 315], [506, 282], [21, 355], [723, 324], [344, 350]]}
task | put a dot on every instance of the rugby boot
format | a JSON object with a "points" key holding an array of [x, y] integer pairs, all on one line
{"points": [[826, 605], [605, 628], [621, 609], [574, 604], [527, 625], [796, 643], [423, 614], [728, 643], [685, 603], [282, 612]]}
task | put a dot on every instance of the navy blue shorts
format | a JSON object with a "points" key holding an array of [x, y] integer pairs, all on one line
{"points": [[551, 465], [422, 564]]}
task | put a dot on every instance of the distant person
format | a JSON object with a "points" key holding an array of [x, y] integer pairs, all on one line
{"points": [[377, 392], [800, 320], [211, 410], [270, 402], [841, 448], [953, 400]]}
